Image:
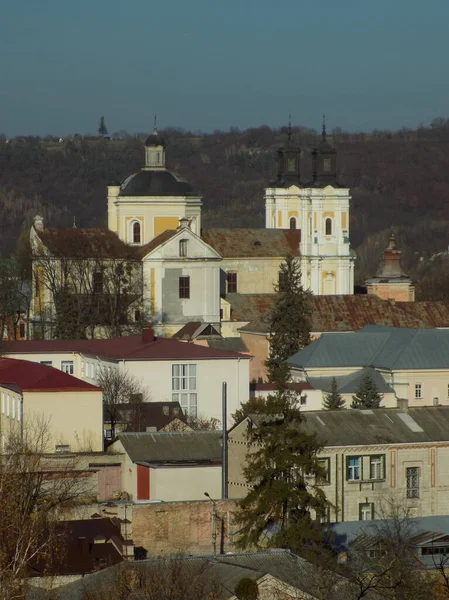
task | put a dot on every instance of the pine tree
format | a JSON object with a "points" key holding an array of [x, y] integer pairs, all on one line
{"points": [[289, 321], [102, 129], [282, 470], [333, 400], [367, 394]]}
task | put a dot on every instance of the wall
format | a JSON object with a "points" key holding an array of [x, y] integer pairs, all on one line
{"points": [[75, 418], [404, 292], [258, 346], [254, 275], [434, 384], [185, 483]]}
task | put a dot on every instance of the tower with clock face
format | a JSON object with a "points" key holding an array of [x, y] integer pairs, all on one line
{"points": [[320, 210]]}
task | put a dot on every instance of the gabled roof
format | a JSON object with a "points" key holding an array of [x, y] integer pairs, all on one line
{"points": [[196, 329], [160, 239], [348, 384], [131, 347], [173, 447], [379, 347], [380, 426], [74, 242], [32, 376], [253, 243]]}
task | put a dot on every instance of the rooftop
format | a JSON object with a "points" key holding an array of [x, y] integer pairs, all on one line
{"points": [[32, 376], [254, 243], [349, 384], [160, 182], [74, 242]]}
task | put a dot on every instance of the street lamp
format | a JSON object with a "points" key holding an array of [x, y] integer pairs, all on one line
{"points": [[214, 523]]}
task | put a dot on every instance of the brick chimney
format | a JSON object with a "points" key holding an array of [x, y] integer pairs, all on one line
{"points": [[147, 334]]}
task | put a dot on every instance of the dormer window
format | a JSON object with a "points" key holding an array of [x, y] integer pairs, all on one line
{"points": [[183, 247], [136, 232]]}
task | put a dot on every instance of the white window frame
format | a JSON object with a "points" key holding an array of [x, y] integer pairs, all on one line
{"points": [[376, 466], [183, 247], [184, 387], [412, 488], [418, 391], [67, 366], [366, 511], [353, 472], [131, 231]]}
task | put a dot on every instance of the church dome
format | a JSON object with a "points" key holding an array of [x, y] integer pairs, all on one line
{"points": [[155, 183], [155, 140]]}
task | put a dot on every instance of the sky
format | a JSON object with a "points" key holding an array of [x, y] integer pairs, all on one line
{"points": [[214, 64]]}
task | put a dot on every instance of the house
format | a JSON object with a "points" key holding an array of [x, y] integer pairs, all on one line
{"points": [[170, 466], [33, 393], [413, 362], [168, 369], [370, 456]]}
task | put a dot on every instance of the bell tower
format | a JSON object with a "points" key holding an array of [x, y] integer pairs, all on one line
{"points": [[154, 150], [324, 162]]}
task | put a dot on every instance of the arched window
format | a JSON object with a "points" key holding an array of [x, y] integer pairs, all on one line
{"points": [[293, 223], [328, 226], [136, 232]]}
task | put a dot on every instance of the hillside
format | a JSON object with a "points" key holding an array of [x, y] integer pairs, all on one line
{"points": [[398, 179]]}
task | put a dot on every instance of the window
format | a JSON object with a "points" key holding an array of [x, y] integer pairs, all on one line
{"points": [[326, 165], [19, 412], [366, 511], [232, 283], [324, 464], [418, 391], [47, 363], [22, 330], [184, 388], [137, 315], [97, 282], [376, 467], [353, 468], [67, 366], [293, 223], [184, 287], [412, 477], [303, 400], [136, 232], [282, 281], [62, 448], [328, 226], [183, 247]]}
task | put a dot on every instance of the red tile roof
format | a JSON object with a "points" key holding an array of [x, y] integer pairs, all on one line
{"points": [[242, 243], [125, 348], [31, 376], [74, 242]]}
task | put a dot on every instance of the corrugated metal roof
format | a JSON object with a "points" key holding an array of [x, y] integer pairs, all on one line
{"points": [[179, 446], [348, 384], [351, 427], [241, 243], [381, 347]]}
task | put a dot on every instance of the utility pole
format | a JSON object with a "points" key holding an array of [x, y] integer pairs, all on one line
{"points": [[224, 446]]}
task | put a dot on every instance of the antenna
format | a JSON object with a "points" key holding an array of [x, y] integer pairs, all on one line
{"points": [[155, 125]]}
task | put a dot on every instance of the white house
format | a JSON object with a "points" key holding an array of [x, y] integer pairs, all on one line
{"points": [[169, 369]]}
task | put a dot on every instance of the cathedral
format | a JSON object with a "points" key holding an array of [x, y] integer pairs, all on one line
{"points": [[191, 274]]}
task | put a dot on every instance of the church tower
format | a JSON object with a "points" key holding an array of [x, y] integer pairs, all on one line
{"points": [[154, 199], [320, 209]]}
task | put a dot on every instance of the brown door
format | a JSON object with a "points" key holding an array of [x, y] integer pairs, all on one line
{"points": [[143, 483], [109, 483]]}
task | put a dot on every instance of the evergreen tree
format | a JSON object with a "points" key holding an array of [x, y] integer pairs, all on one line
{"points": [[289, 321], [283, 472], [367, 394], [333, 399], [102, 130]]}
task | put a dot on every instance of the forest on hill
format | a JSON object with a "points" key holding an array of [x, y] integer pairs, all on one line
{"points": [[398, 180]]}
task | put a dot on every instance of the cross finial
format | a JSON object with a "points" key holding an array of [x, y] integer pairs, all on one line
{"points": [[289, 131], [323, 129], [155, 125]]}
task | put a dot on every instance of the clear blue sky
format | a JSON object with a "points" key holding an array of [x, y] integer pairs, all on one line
{"points": [[206, 64]]}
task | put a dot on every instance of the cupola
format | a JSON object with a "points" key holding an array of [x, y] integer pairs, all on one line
{"points": [[289, 163], [154, 150], [324, 162]]}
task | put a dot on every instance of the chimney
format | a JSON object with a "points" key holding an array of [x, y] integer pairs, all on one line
{"points": [[38, 223], [147, 334]]}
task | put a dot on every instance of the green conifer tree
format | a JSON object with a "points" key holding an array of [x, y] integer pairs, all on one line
{"points": [[290, 320], [333, 399], [367, 394], [102, 129]]}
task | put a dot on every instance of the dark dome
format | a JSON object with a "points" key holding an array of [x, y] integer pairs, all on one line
{"points": [[155, 140], [155, 183]]}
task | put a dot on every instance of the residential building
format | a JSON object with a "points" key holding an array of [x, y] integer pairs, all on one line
{"points": [[371, 457], [170, 466], [34, 394], [169, 370], [413, 362]]}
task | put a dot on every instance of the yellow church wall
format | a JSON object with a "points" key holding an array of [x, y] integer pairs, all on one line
{"points": [[344, 220], [292, 213], [254, 276], [328, 214], [279, 219], [161, 224]]}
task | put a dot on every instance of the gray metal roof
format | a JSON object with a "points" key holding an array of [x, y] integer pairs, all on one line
{"points": [[381, 347], [353, 427], [179, 446], [348, 384]]}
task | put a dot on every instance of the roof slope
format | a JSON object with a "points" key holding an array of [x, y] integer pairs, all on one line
{"points": [[352, 427], [381, 347], [242, 243], [179, 446], [130, 347], [73, 242], [33, 376], [348, 384], [157, 182]]}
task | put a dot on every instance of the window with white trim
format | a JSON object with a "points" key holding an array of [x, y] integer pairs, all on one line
{"points": [[67, 366], [328, 226], [184, 388], [418, 391], [366, 511], [136, 232], [353, 468], [376, 467], [183, 247], [19, 412]]}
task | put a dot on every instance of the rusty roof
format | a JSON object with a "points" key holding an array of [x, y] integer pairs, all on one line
{"points": [[74, 242], [343, 312], [254, 243]]}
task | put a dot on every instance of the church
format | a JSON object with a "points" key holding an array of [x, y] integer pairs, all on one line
{"points": [[192, 274]]}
